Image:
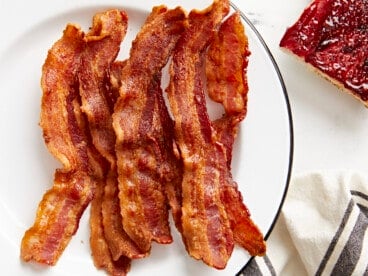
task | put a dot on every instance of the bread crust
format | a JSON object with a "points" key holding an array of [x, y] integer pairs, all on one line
{"points": [[341, 87]]}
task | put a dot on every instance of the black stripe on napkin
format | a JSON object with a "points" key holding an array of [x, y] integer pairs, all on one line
{"points": [[251, 269], [352, 250], [333, 243], [363, 209], [363, 202], [350, 255], [360, 194], [269, 265]]}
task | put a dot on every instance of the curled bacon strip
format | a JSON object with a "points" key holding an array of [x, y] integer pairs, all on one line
{"points": [[98, 98], [76, 66], [102, 46], [171, 168], [61, 207], [226, 60], [100, 249], [142, 199], [205, 226], [120, 244], [226, 64]]}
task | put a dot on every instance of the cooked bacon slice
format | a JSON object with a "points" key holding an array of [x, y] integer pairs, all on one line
{"points": [[61, 207], [205, 226], [142, 200], [226, 61], [226, 65], [117, 239], [98, 98], [120, 244], [114, 84], [100, 249], [76, 66], [171, 168], [141, 192], [102, 46]]}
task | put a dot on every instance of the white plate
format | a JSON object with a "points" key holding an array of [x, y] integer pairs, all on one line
{"points": [[262, 154]]}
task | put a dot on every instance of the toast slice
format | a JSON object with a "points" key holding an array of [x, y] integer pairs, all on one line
{"points": [[332, 37]]}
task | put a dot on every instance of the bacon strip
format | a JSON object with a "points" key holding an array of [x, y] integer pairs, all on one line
{"points": [[142, 200], [226, 64], [61, 207], [171, 168], [226, 60], [206, 229], [98, 98], [117, 239], [102, 46], [100, 249]]}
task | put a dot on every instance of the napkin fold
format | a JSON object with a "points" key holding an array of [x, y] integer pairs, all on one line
{"points": [[322, 228]]}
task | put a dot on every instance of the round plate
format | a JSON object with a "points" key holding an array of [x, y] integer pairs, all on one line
{"points": [[262, 153]]}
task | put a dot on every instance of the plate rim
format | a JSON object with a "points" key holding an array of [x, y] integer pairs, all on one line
{"points": [[290, 124]]}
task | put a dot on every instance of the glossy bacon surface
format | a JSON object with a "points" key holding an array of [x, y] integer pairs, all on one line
{"points": [[61, 207], [226, 61], [119, 243], [141, 191], [206, 229], [98, 67], [71, 76], [142, 199], [114, 84], [102, 257], [226, 66], [171, 168], [102, 46]]}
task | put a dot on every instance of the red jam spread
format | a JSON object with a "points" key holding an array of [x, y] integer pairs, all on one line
{"points": [[332, 35]]}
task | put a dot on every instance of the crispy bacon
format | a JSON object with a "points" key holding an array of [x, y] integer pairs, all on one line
{"points": [[76, 66], [226, 60], [98, 98], [143, 203], [102, 257], [226, 65], [117, 239], [206, 229], [171, 168], [142, 200], [114, 84], [61, 207], [102, 46]]}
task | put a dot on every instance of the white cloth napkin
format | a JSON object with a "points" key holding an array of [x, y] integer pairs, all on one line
{"points": [[322, 228]]}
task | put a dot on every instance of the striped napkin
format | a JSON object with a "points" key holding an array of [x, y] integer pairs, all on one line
{"points": [[322, 229]]}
